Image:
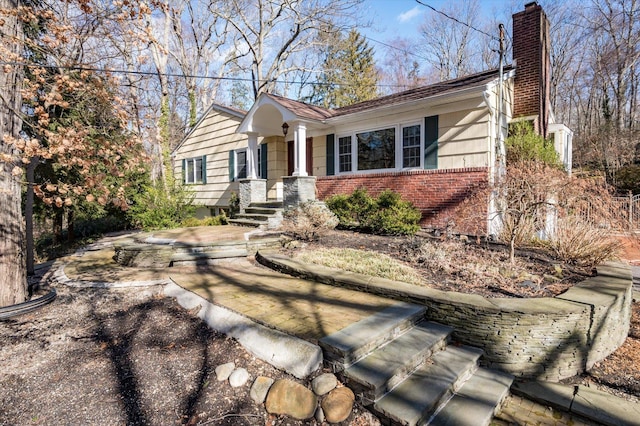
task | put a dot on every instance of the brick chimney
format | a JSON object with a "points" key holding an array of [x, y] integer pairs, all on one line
{"points": [[533, 66]]}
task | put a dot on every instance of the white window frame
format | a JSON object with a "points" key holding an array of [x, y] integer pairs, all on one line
{"points": [[236, 168], [402, 126], [399, 150], [192, 178]]}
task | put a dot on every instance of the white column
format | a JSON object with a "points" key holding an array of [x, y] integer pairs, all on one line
{"points": [[252, 156], [300, 150]]}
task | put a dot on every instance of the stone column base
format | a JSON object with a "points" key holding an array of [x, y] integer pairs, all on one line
{"points": [[298, 189], [252, 191]]}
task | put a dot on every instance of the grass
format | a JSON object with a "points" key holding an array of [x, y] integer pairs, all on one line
{"points": [[363, 262]]}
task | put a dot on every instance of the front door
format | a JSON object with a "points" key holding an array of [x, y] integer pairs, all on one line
{"points": [[290, 159]]}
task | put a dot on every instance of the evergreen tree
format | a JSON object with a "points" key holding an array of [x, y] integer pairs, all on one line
{"points": [[348, 74]]}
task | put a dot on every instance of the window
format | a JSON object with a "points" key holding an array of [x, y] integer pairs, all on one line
{"points": [[344, 154], [377, 149], [195, 170], [238, 168], [411, 146]]}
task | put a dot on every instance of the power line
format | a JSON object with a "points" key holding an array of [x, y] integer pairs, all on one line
{"points": [[457, 20], [154, 73]]}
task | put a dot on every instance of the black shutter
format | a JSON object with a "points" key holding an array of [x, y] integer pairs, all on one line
{"points": [[331, 155], [232, 166], [263, 161], [204, 169], [431, 142]]}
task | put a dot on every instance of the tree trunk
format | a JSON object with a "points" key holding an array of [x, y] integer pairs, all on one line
{"points": [[28, 216], [71, 234], [58, 220], [13, 280]]}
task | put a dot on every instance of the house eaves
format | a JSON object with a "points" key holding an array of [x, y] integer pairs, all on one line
{"points": [[436, 94]]}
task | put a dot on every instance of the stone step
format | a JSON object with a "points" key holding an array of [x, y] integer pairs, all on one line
{"points": [[414, 400], [476, 402], [246, 222], [343, 348], [253, 216], [268, 204], [262, 210], [385, 367], [200, 258]]}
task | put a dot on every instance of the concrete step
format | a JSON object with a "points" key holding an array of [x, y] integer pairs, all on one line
{"points": [[387, 366], [476, 402], [347, 346], [414, 400]]}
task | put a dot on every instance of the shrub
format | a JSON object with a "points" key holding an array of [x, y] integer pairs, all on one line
{"points": [[192, 222], [234, 205], [387, 214], [352, 210], [393, 216], [157, 207], [309, 221], [524, 144]]}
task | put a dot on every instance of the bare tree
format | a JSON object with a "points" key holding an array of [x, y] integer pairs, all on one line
{"points": [[199, 48], [275, 34], [451, 47], [401, 67]]}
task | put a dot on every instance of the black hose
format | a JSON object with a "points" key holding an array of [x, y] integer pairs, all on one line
{"points": [[22, 308]]}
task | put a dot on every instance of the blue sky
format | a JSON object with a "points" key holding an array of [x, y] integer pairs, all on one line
{"points": [[402, 18]]}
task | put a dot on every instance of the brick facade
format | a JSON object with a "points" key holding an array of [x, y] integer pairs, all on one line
{"points": [[436, 193], [531, 46]]}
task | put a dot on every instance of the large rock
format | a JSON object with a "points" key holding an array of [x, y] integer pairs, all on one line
{"points": [[260, 388], [324, 383], [292, 399], [238, 378], [224, 371], [338, 404]]}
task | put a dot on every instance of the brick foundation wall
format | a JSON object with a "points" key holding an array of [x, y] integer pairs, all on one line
{"points": [[436, 193]]}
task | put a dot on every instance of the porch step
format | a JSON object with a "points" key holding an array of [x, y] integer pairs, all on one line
{"points": [[400, 366], [266, 214]]}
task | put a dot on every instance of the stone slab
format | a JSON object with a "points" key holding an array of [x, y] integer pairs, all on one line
{"points": [[388, 365], [295, 356], [357, 339], [592, 404], [415, 399], [476, 401]]}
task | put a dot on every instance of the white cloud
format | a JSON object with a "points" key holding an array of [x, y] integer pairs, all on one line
{"points": [[409, 14]]}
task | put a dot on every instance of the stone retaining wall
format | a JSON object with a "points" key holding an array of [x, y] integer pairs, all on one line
{"points": [[543, 338]]}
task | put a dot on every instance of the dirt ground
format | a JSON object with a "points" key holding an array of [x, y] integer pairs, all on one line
{"points": [[130, 356]]}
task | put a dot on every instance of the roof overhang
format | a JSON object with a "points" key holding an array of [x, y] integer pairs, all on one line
{"points": [[430, 101], [266, 117]]}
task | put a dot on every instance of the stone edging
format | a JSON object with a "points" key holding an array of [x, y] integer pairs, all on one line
{"points": [[543, 338], [291, 354]]}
